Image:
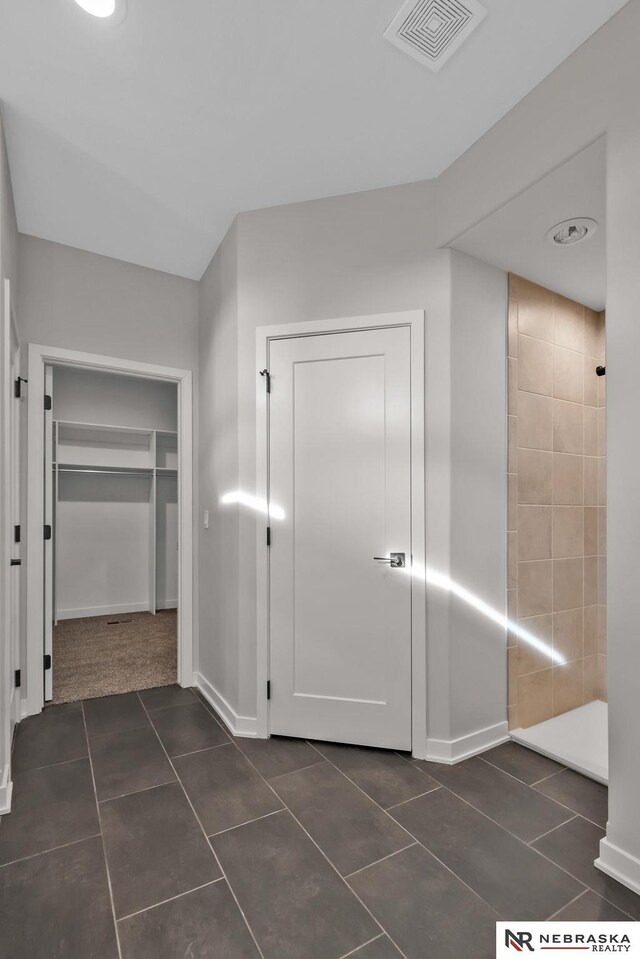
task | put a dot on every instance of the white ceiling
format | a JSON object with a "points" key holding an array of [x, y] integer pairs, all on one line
{"points": [[143, 140], [513, 238]]}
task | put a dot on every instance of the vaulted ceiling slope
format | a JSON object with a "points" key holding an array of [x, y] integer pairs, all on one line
{"points": [[142, 140]]}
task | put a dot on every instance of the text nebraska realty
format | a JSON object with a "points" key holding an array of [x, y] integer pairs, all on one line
{"points": [[598, 942]]}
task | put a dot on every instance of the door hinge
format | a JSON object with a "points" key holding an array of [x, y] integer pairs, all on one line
{"points": [[17, 679], [16, 534], [47, 660], [268, 536], [17, 387], [46, 531], [48, 402], [267, 376], [268, 689], [16, 562]]}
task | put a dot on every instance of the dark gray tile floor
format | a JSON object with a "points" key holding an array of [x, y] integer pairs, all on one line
{"points": [[142, 830]]}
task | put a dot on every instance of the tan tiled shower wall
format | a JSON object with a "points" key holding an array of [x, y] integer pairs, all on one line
{"points": [[557, 504]]}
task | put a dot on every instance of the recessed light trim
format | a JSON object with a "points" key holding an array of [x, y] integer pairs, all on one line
{"points": [[98, 8], [571, 231]]}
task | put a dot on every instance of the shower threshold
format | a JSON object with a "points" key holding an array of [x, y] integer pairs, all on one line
{"points": [[577, 739]]}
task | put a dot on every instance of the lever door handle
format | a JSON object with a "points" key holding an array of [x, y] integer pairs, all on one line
{"points": [[395, 560]]}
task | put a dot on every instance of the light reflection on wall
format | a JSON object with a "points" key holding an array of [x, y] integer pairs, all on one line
{"points": [[441, 581], [252, 502]]}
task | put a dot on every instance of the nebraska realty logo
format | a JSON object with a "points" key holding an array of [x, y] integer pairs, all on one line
{"points": [[558, 938]]}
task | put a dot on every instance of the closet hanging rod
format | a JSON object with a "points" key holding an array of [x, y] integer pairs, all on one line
{"points": [[105, 472]]}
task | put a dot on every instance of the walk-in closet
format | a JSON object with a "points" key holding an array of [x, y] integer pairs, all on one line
{"points": [[111, 562]]}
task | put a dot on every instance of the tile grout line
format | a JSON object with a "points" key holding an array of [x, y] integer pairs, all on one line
{"points": [[44, 852], [545, 778], [203, 750], [558, 911], [180, 895], [419, 843], [419, 796], [322, 853], [512, 775], [358, 948], [411, 762], [383, 859], [64, 762], [134, 792], [206, 838], [248, 822], [104, 851], [532, 786], [282, 775], [549, 831]]}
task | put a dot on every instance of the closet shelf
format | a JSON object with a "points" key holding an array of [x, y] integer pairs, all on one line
{"points": [[122, 470]]}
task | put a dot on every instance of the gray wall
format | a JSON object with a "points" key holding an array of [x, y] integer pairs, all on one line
{"points": [[370, 252], [218, 653], [575, 105], [82, 301]]}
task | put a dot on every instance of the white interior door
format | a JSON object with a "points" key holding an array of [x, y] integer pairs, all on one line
{"points": [[340, 495], [48, 537]]}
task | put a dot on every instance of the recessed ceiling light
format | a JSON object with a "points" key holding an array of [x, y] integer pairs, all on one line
{"points": [[98, 8], [571, 231]]}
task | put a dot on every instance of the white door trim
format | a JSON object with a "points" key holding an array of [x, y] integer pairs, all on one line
{"points": [[38, 356], [414, 319], [7, 519]]}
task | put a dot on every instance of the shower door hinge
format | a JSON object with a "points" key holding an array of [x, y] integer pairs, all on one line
{"points": [[48, 402], [17, 677], [47, 660], [267, 376], [268, 689], [268, 536]]}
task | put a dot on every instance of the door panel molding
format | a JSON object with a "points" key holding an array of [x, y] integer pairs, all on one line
{"points": [[415, 321]]}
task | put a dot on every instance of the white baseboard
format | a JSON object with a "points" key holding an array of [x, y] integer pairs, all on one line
{"points": [[6, 789], [618, 864], [103, 610], [238, 725], [166, 604], [451, 751]]}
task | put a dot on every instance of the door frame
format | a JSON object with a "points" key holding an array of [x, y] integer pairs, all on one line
{"points": [[415, 321], [38, 357], [8, 696]]}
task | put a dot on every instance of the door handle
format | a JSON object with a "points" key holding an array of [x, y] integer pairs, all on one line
{"points": [[395, 560]]}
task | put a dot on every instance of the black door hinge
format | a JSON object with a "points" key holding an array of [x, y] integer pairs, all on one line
{"points": [[268, 536], [16, 534], [47, 660], [48, 402], [16, 562], [46, 531], [268, 689], [17, 679], [17, 387], [267, 376]]}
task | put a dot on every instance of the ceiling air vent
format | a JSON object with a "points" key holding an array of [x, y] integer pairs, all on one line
{"points": [[431, 31]]}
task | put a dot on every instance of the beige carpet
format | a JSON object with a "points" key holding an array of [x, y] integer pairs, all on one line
{"points": [[101, 655]]}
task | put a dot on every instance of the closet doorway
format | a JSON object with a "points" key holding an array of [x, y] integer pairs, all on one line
{"points": [[107, 450]]}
